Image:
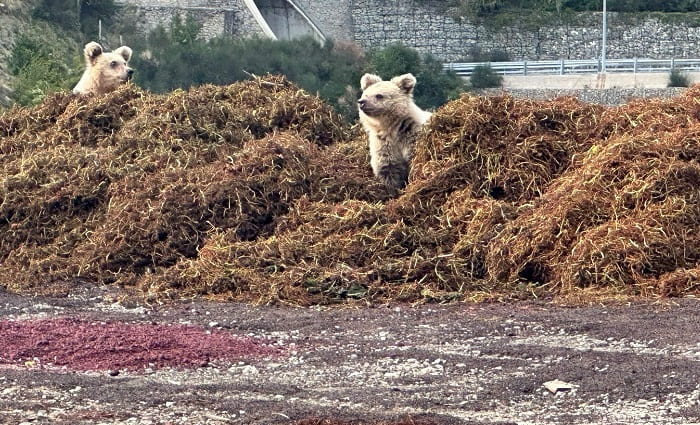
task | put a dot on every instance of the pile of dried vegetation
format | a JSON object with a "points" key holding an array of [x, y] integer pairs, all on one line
{"points": [[257, 191]]}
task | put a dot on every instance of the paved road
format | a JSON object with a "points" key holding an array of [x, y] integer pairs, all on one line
{"points": [[454, 364]]}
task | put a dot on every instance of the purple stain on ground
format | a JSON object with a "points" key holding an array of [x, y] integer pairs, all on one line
{"points": [[83, 345]]}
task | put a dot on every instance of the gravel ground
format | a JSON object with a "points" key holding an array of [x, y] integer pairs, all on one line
{"points": [[445, 364]]}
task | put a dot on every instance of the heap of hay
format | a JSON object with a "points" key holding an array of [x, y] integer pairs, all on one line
{"points": [[257, 191], [628, 213]]}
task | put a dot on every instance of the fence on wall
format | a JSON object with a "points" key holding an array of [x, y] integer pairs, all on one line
{"points": [[585, 66]]}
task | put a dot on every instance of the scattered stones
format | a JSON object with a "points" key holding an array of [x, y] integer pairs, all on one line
{"points": [[449, 367]]}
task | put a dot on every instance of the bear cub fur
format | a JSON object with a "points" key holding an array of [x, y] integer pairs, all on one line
{"points": [[392, 121], [104, 71]]}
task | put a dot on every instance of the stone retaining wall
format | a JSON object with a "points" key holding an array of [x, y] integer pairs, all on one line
{"points": [[427, 27], [423, 26], [217, 17]]}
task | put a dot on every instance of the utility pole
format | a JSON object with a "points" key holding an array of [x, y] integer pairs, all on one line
{"points": [[77, 8], [605, 33]]}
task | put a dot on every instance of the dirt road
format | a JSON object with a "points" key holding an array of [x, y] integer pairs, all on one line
{"points": [[453, 364]]}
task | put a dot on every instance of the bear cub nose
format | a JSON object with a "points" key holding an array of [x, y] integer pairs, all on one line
{"points": [[361, 102], [129, 73]]}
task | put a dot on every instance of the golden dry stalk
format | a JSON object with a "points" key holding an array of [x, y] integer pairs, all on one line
{"points": [[258, 191]]}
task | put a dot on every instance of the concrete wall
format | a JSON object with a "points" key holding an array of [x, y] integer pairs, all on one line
{"points": [[609, 97], [232, 18], [649, 80], [421, 25], [283, 19], [286, 20], [217, 17], [426, 27], [332, 17]]}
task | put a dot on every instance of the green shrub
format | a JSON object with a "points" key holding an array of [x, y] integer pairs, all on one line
{"points": [[26, 48], [92, 11], [678, 78], [41, 76], [395, 60], [63, 13], [484, 77], [76, 15], [176, 58], [42, 62]]}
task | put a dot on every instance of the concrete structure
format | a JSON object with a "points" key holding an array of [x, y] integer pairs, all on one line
{"points": [[287, 21], [609, 97], [593, 81], [217, 17], [426, 26], [332, 17], [279, 19]]}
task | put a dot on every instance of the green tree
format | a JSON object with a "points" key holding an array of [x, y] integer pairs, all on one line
{"points": [[42, 62], [678, 78], [76, 15], [63, 13], [394, 60], [176, 58], [93, 11]]}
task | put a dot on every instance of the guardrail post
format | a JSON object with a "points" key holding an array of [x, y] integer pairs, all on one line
{"points": [[673, 63], [561, 66], [524, 67], [634, 67]]}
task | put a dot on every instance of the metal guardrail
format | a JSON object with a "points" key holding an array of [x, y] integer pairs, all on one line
{"points": [[585, 66]]}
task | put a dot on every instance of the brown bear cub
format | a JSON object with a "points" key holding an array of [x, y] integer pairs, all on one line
{"points": [[392, 120], [104, 71]]}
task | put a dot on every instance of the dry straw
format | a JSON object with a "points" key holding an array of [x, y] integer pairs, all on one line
{"points": [[257, 191]]}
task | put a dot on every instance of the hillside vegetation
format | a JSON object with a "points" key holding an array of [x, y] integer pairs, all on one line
{"points": [[46, 57]]}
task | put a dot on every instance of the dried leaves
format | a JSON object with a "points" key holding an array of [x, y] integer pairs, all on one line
{"points": [[257, 191]]}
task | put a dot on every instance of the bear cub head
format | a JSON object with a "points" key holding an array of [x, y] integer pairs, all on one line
{"points": [[386, 98], [104, 71]]}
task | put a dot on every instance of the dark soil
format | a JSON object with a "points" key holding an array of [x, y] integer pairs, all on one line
{"points": [[391, 364]]}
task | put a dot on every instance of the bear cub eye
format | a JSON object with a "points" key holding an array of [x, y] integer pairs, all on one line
{"points": [[379, 97], [113, 64]]}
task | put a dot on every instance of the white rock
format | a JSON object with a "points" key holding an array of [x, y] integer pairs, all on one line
{"points": [[249, 370], [557, 385]]}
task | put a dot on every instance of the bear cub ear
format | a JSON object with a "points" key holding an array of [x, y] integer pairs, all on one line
{"points": [[92, 51], [124, 52], [369, 79], [405, 82]]}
